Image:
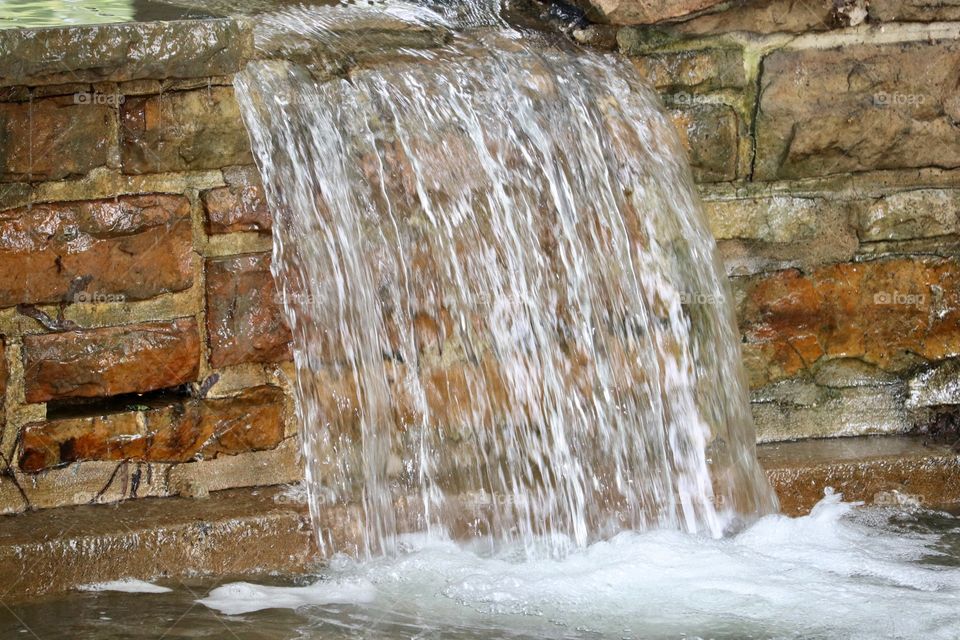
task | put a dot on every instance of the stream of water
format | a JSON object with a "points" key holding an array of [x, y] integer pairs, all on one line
{"points": [[501, 287]]}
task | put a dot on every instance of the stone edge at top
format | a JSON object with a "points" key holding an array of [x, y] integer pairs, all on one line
{"points": [[121, 52]]}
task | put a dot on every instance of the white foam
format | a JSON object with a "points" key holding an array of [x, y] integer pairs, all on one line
{"points": [[127, 585], [243, 597], [838, 572]]}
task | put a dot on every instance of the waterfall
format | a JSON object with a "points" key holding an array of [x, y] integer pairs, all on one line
{"points": [[508, 316]]}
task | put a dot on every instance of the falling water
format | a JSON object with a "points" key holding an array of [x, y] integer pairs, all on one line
{"points": [[507, 313]]}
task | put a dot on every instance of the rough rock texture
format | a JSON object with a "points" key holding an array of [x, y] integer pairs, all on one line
{"points": [[245, 321], [178, 432], [777, 232], [703, 69], [105, 362], [128, 248], [240, 206], [795, 409], [859, 108], [765, 16], [921, 213], [709, 133], [118, 52], [915, 10], [183, 131], [936, 386], [642, 11], [54, 138], [888, 313], [805, 16]]}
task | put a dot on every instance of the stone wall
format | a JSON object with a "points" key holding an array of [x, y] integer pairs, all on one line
{"points": [[825, 137], [142, 348]]}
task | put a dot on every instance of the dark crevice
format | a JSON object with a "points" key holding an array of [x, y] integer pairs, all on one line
{"points": [[755, 116], [87, 407]]}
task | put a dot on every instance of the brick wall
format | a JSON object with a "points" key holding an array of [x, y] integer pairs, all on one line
{"points": [[825, 137], [142, 350]]}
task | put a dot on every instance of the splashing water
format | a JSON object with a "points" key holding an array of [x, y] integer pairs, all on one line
{"points": [[836, 573], [507, 313]]}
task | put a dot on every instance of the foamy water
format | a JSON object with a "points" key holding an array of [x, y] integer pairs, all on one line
{"points": [[840, 572], [127, 585]]}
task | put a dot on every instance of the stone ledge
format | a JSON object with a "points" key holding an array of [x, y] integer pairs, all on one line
{"points": [[258, 531], [865, 469], [233, 532], [124, 51]]}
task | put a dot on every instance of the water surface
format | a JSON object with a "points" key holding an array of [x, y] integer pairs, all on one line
{"points": [[840, 573], [58, 13]]}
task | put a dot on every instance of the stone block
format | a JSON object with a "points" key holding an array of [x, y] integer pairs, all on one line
{"points": [[93, 363], [191, 429], [183, 131], [245, 321], [893, 314], [127, 248], [859, 108], [239, 206], [55, 138], [709, 133]]}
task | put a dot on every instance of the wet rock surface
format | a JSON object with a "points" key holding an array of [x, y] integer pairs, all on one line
{"points": [[642, 11], [794, 208], [709, 133], [265, 530], [3, 383], [183, 131], [54, 138], [245, 321], [764, 16], [172, 432], [886, 312], [937, 386], [238, 532], [866, 469], [705, 70], [240, 206], [128, 248], [915, 10], [106, 362], [120, 52]]}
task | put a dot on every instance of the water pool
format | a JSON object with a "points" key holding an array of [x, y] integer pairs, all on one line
{"points": [[56, 13], [838, 573]]}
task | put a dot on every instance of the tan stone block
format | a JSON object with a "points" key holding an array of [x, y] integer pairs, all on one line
{"points": [[183, 131], [859, 108]]}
